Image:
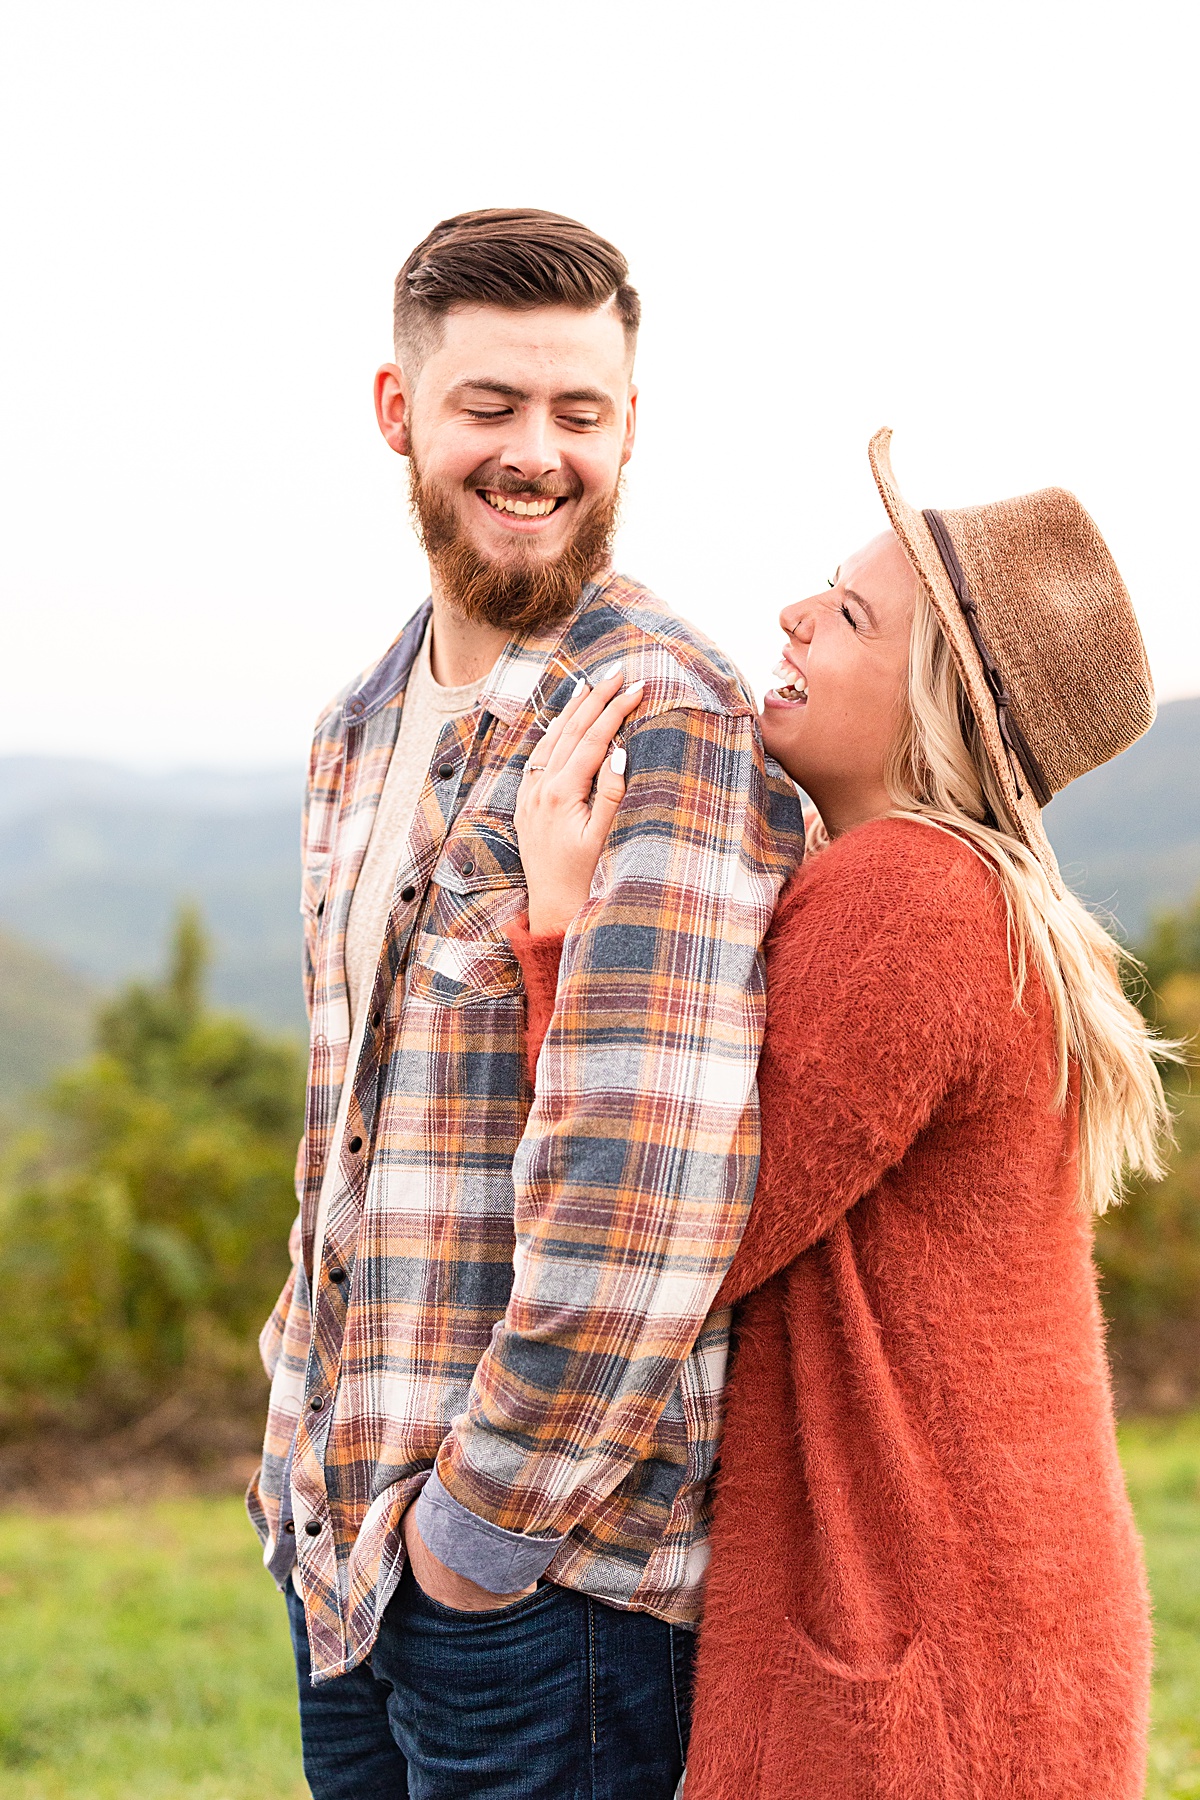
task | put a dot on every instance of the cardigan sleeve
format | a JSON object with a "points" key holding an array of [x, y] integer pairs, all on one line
{"points": [[888, 988], [539, 958]]}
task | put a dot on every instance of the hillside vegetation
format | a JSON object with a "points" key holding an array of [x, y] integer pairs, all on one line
{"points": [[144, 1218], [45, 1019]]}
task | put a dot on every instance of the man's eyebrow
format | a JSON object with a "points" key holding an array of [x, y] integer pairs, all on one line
{"points": [[481, 384], [484, 384], [587, 396], [866, 606]]}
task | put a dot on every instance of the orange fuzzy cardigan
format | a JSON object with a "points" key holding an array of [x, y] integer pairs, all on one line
{"points": [[926, 1583]]}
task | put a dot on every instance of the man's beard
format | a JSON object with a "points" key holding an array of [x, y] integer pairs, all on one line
{"points": [[524, 591]]}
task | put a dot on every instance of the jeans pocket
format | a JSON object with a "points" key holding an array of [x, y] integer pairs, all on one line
{"points": [[436, 1609], [872, 1732]]}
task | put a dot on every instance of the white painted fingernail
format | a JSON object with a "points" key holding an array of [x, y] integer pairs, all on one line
{"points": [[579, 687], [635, 689], [609, 673], [617, 761]]}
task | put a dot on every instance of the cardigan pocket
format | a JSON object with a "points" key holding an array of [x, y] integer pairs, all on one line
{"points": [[875, 1733]]}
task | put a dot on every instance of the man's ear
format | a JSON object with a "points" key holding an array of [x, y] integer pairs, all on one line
{"points": [[630, 426], [392, 407]]}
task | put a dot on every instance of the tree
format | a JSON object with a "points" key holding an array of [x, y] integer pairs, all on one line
{"points": [[1148, 1250], [144, 1217]]}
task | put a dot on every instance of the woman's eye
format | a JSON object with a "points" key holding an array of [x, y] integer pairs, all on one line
{"points": [[851, 621]]}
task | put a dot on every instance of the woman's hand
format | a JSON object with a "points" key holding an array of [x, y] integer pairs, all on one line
{"points": [[561, 827]]}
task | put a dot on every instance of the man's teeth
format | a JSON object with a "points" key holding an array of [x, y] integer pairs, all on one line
{"points": [[531, 509]]}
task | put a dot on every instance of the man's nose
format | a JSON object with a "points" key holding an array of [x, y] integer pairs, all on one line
{"points": [[529, 449]]}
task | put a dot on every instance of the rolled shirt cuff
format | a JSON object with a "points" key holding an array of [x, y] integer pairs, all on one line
{"points": [[498, 1560]]}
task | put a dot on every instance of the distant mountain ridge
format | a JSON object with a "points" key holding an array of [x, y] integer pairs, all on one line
{"points": [[1128, 835], [30, 784], [94, 860]]}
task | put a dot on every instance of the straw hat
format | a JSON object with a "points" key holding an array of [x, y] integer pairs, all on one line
{"points": [[1042, 630]]}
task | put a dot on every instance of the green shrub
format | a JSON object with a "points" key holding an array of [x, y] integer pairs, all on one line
{"points": [[144, 1216], [1148, 1250]]}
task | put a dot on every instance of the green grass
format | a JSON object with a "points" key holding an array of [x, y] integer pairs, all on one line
{"points": [[144, 1653], [1162, 1465]]}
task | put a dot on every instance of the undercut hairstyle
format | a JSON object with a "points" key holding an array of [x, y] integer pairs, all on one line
{"points": [[518, 258]]}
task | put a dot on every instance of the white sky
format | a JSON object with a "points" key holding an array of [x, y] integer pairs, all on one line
{"points": [[972, 222]]}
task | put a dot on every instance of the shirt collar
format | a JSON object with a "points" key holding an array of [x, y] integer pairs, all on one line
{"points": [[390, 675], [522, 663]]}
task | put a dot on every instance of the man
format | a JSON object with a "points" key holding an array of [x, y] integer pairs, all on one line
{"points": [[495, 1384]]}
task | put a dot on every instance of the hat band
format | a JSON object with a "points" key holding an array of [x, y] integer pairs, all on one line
{"points": [[1015, 741]]}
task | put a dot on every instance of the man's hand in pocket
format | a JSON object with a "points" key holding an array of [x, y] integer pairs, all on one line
{"points": [[441, 1583]]}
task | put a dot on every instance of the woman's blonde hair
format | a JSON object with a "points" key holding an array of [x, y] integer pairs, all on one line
{"points": [[940, 772]]}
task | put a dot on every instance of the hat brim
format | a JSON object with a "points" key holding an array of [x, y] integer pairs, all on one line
{"points": [[922, 551]]}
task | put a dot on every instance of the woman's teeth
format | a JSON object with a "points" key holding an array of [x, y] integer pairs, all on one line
{"points": [[531, 509], [792, 684]]}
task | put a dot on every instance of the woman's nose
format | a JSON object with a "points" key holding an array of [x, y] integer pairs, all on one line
{"points": [[793, 617]]}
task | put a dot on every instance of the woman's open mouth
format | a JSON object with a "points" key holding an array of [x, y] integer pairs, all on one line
{"points": [[793, 691]]}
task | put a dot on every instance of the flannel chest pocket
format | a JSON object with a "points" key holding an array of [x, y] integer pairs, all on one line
{"points": [[462, 955]]}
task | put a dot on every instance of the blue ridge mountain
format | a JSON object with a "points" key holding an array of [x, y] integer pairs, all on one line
{"points": [[95, 860], [1128, 834]]}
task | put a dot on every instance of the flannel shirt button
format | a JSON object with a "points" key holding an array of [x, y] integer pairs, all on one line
{"points": [[316, 1403], [376, 1020], [290, 1528], [445, 771], [312, 1529], [407, 894], [337, 1275], [320, 908], [355, 1145], [468, 868]]}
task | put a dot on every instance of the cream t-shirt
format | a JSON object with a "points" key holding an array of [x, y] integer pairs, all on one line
{"points": [[427, 706]]}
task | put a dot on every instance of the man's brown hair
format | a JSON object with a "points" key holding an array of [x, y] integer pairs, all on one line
{"points": [[518, 258]]}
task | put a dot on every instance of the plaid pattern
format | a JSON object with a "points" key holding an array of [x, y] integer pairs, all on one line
{"points": [[525, 1279]]}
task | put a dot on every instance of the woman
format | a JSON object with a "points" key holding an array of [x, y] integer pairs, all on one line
{"points": [[925, 1577]]}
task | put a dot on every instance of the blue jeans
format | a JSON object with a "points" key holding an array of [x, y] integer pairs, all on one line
{"points": [[556, 1697]]}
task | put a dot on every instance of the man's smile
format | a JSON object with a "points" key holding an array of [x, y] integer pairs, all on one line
{"points": [[528, 506], [521, 512]]}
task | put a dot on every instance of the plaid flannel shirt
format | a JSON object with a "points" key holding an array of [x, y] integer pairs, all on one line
{"points": [[512, 1302]]}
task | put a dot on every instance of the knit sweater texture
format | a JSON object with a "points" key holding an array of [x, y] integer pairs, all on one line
{"points": [[926, 1583]]}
